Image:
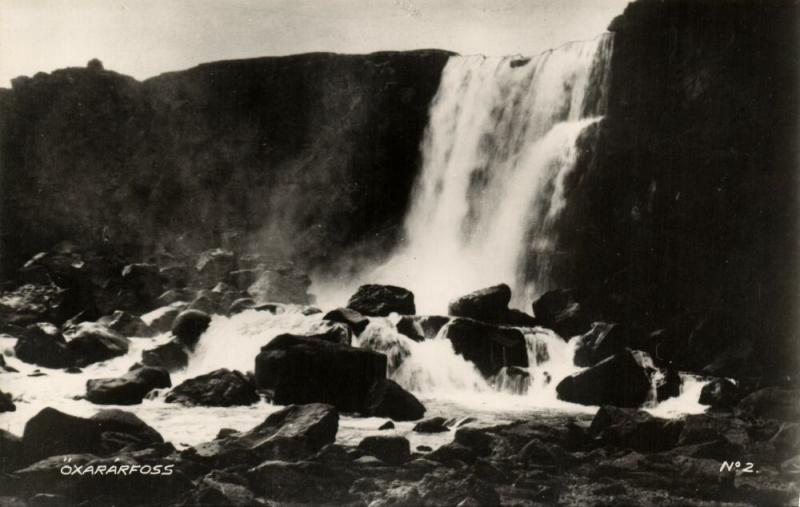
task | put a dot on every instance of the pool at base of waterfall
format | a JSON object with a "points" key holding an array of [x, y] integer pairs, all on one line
{"points": [[447, 385]]}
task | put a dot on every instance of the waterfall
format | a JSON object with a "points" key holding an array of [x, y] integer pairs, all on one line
{"points": [[497, 152]]}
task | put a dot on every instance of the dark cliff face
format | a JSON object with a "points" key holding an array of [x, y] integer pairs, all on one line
{"points": [[300, 156], [688, 202]]}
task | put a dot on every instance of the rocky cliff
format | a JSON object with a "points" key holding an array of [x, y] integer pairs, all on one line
{"points": [[301, 155]]}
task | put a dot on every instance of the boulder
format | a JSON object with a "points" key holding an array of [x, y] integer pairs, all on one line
{"points": [[207, 302], [171, 356], [332, 332], [145, 282], [604, 339], [220, 388], [283, 285], [351, 318], [392, 449], [490, 347], [432, 425], [670, 386], [619, 380], [218, 489], [295, 432], [51, 432], [176, 295], [244, 278], [419, 327], [240, 305], [10, 451], [453, 453], [160, 320], [563, 311], [127, 324], [176, 276], [778, 403], [381, 300], [305, 370], [90, 342], [387, 399], [487, 305], [449, 487], [129, 389], [33, 303], [720, 393], [6, 403], [189, 325], [42, 344], [213, 266], [634, 429]]}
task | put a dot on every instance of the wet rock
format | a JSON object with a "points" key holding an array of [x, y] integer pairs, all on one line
{"points": [[778, 403], [476, 439], [302, 482], [489, 347], [386, 398], [603, 340], [388, 425], [421, 327], [392, 450], [306, 370], [213, 266], [240, 305], [160, 320], [5, 368], [381, 300], [90, 342], [332, 332], [619, 380], [207, 302], [488, 305], [432, 425], [721, 393], [349, 317], [10, 451], [51, 432], [447, 487], [700, 428], [220, 388], [564, 312], [634, 429], [518, 318], [6, 403], [244, 278], [453, 453], [295, 432], [171, 356], [176, 276], [283, 285], [31, 303], [128, 325], [670, 386], [129, 389], [189, 325], [42, 344], [145, 281], [220, 489]]}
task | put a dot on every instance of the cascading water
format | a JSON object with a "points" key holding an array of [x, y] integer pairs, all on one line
{"points": [[500, 143]]}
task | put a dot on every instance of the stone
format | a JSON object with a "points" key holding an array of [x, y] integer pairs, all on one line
{"points": [[381, 300], [488, 346], [305, 370], [603, 340], [634, 429], [43, 345], [619, 380], [189, 325], [432, 425], [172, 356], [282, 285], [91, 342], [563, 311], [129, 325], [393, 450], [421, 327], [720, 393], [357, 322], [145, 282], [213, 266], [6, 402], [240, 305], [487, 305], [129, 389], [220, 388], [386, 398]]}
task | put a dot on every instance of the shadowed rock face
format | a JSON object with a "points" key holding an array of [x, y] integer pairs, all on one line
{"points": [[315, 151]]}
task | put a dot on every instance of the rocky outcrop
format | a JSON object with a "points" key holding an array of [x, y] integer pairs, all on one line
{"points": [[488, 305], [129, 389], [220, 388], [381, 300], [295, 369]]}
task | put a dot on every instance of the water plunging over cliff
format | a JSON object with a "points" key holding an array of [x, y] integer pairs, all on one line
{"points": [[500, 143]]}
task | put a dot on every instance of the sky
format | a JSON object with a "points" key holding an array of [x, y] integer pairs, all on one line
{"points": [[143, 38]]}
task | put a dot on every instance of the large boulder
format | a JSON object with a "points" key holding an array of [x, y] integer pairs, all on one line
{"points": [[10, 451], [634, 429], [604, 339], [621, 380], [161, 319], [295, 432], [129, 389], [564, 311], [488, 305], [51, 433], [172, 356], [351, 318], [189, 325], [432, 425], [387, 399], [305, 370], [720, 393], [220, 388], [778, 403], [332, 332], [381, 300], [283, 285], [127, 324], [490, 347], [90, 342], [393, 450], [421, 327], [42, 344]]}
